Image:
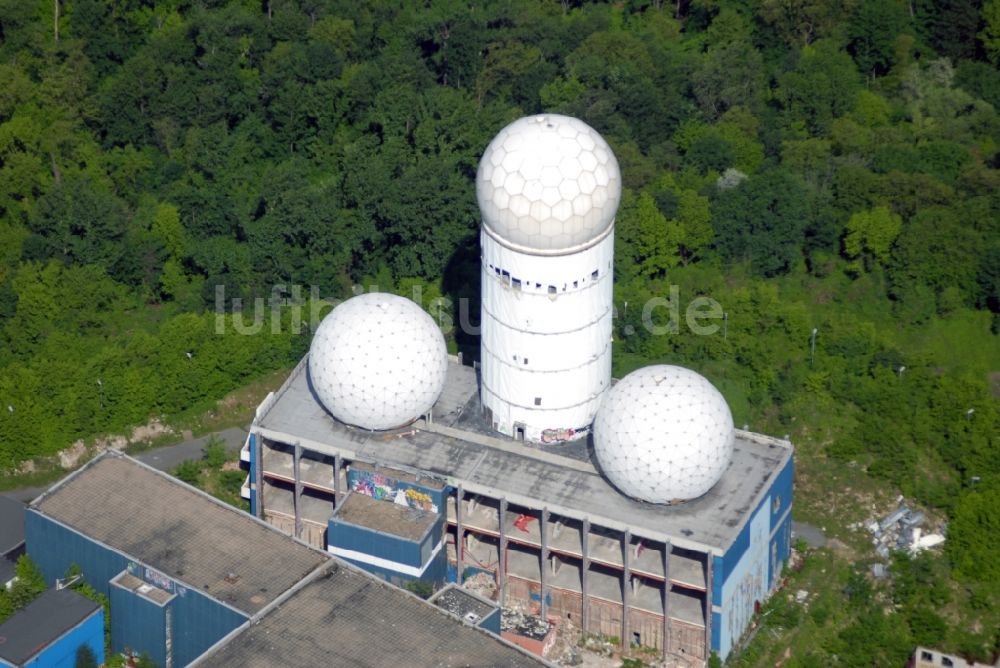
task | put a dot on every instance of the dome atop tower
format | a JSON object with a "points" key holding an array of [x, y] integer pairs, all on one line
{"points": [[548, 184], [378, 361], [664, 434]]}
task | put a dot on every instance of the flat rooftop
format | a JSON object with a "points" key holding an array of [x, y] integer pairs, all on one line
{"points": [[133, 584], [460, 602], [346, 618], [11, 524], [460, 450], [41, 622], [179, 531], [392, 518]]}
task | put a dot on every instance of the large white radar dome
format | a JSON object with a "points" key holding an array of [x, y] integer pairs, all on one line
{"points": [[548, 184], [378, 361], [664, 434]]}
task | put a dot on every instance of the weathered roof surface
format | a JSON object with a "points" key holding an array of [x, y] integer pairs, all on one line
{"points": [[346, 618], [173, 528], [11, 524], [392, 518], [560, 478], [41, 622]]}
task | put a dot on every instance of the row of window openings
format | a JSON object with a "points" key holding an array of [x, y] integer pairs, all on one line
{"points": [[516, 282], [927, 656]]}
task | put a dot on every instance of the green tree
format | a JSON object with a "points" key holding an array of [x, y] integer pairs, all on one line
{"points": [[974, 532], [650, 239], [872, 30], [85, 657], [872, 233], [761, 221], [990, 35]]}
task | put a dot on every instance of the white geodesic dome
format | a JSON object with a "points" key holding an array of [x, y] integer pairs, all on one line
{"points": [[548, 184], [664, 434], [378, 361]]}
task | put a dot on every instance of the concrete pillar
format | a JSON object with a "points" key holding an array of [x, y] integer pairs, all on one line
{"points": [[584, 589], [336, 482], [502, 563], [626, 588], [708, 605], [459, 535], [258, 473], [665, 639], [543, 531], [297, 477]]}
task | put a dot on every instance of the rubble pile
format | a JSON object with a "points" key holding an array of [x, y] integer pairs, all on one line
{"points": [[565, 650], [900, 530], [482, 584], [517, 621]]}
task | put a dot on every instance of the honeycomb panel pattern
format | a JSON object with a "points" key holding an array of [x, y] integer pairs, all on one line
{"points": [[548, 183], [378, 361], [664, 434]]}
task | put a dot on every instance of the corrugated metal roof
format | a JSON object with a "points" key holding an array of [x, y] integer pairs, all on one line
{"points": [[179, 531]]}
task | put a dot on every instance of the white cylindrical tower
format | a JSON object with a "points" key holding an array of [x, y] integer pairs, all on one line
{"points": [[548, 188]]}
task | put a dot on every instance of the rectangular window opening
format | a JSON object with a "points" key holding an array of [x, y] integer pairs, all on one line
{"points": [[594, 274], [516, 283], [552, 289], [576, 284], [538, 401]]}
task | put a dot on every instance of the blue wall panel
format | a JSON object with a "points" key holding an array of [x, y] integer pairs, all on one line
{"points": [[716, 631], [382, 545], [780, 550], [435, 573], [781, 491], [199, 623], [55, 548], [253, 474], [138, 626], [745, 575], [491, 622], [62, 653]]}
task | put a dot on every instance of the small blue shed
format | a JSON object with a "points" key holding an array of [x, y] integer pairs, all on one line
{"points": [[49, 631]]}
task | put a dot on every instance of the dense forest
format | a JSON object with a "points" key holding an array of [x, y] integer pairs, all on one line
{"points": [[829, 172]]}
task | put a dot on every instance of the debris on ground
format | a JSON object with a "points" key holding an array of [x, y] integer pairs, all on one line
{"points": [[482, 584], [902, 529], [515, 620]]}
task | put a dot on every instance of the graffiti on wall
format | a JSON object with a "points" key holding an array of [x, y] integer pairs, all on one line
{"points": [[383, 488], [746, 586], [155, 578], [556, 435]]}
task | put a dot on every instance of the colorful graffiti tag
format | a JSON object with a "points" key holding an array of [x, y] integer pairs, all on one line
{"points": [[378, 486], [554, 435], [155, 578]]}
